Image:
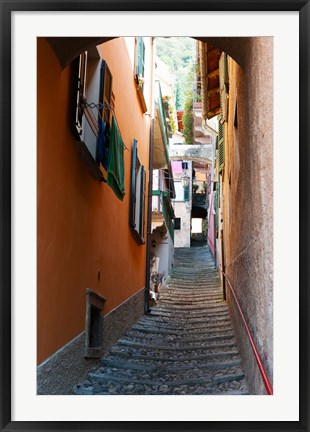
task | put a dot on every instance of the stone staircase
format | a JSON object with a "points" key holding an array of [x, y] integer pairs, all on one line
{"points": [[185, 346]]}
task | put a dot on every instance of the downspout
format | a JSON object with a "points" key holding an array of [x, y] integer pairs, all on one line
{"points": [[150, 189]]}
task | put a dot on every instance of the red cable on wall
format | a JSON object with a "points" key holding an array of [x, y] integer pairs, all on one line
{"points": [[258, 358]]}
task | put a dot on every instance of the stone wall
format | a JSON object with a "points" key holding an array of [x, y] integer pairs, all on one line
{"points": [[67, 367], [248, 205]]}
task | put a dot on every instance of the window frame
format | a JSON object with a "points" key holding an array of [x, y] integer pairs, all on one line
{"points": [[140, 57], [177, 226], [84, 121], [137, 196]]}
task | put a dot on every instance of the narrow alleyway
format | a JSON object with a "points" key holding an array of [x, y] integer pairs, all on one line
{"points": [[185, 346]]}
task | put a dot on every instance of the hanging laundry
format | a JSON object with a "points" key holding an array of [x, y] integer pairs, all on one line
{"points": [[116, 162], [103, 143], [176, 167]]}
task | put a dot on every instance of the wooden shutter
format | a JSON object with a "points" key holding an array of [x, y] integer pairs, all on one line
{"points": [[80, 91], [186, 193], [105, 95], [221, 147], [132, 216], [223, 65], [140, 55], [142, 203]]}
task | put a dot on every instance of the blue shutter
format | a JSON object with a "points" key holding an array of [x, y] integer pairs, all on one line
{"points": [[105, 89]]}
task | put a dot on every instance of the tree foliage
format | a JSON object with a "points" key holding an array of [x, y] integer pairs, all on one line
{"points": [[188, 120], [179, 53]]}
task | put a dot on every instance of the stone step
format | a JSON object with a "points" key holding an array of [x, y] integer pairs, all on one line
{"points": [[158, 376], [185, 333], [183, 320], [162, 357], [179, 338], [190, 314], [158, 379], [184, 346], [181, 347], [189, 309]]}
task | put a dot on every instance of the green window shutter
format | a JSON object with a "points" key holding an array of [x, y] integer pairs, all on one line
{"points": [[221, 147], [140, 55], [132, 217], [137, 196], [186, 193], [142, 203]]}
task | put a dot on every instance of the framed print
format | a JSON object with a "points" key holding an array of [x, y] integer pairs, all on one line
{"points": [[154, 215]]}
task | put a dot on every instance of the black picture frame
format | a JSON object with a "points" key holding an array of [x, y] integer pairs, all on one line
{"points": [[7, 7]]}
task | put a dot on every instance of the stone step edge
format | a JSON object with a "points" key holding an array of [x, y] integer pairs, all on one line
{"points": [[125, 342], [224, 324], [157, 330], [151, 357], [132, 365], [185, 340], [98, 377]]}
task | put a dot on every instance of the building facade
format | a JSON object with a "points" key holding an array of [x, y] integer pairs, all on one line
{"points": [[237, 87], [94, 120]]}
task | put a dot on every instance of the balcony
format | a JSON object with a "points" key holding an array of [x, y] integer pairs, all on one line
{"points": [[161, 139], [162, 211]]}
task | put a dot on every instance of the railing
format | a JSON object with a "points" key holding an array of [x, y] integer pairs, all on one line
{"points": [[165, 207], [257, 355], [91, 119], [161, 110]]}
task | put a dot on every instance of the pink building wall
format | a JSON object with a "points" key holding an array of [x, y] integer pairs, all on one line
{"points": [[211, 225]]}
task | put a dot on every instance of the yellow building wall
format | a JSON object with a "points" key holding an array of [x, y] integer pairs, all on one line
{"points": [[83, 234]]}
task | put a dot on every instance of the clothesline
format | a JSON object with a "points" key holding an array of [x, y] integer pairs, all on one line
{"points": [[90, 116]]}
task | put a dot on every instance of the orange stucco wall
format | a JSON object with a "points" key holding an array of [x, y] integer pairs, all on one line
{"points": [[82, 227]]}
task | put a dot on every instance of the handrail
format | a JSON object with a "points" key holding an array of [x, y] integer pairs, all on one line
{"points": [[258, 358]]}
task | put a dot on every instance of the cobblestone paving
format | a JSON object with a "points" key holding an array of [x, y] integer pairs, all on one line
{"points": [[185, 346]]}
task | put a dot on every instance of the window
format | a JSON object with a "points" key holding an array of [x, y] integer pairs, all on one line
{"points": [[181, 192], [105, 91], [186, 193], [140, 59], [93, 324], [177, 223], [137, 199], [139, 71], [94, 87]]}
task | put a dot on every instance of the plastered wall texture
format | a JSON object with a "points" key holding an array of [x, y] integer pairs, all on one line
{"points": [[83, 229], [59, 373], [248, 201], [182, 237]]}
